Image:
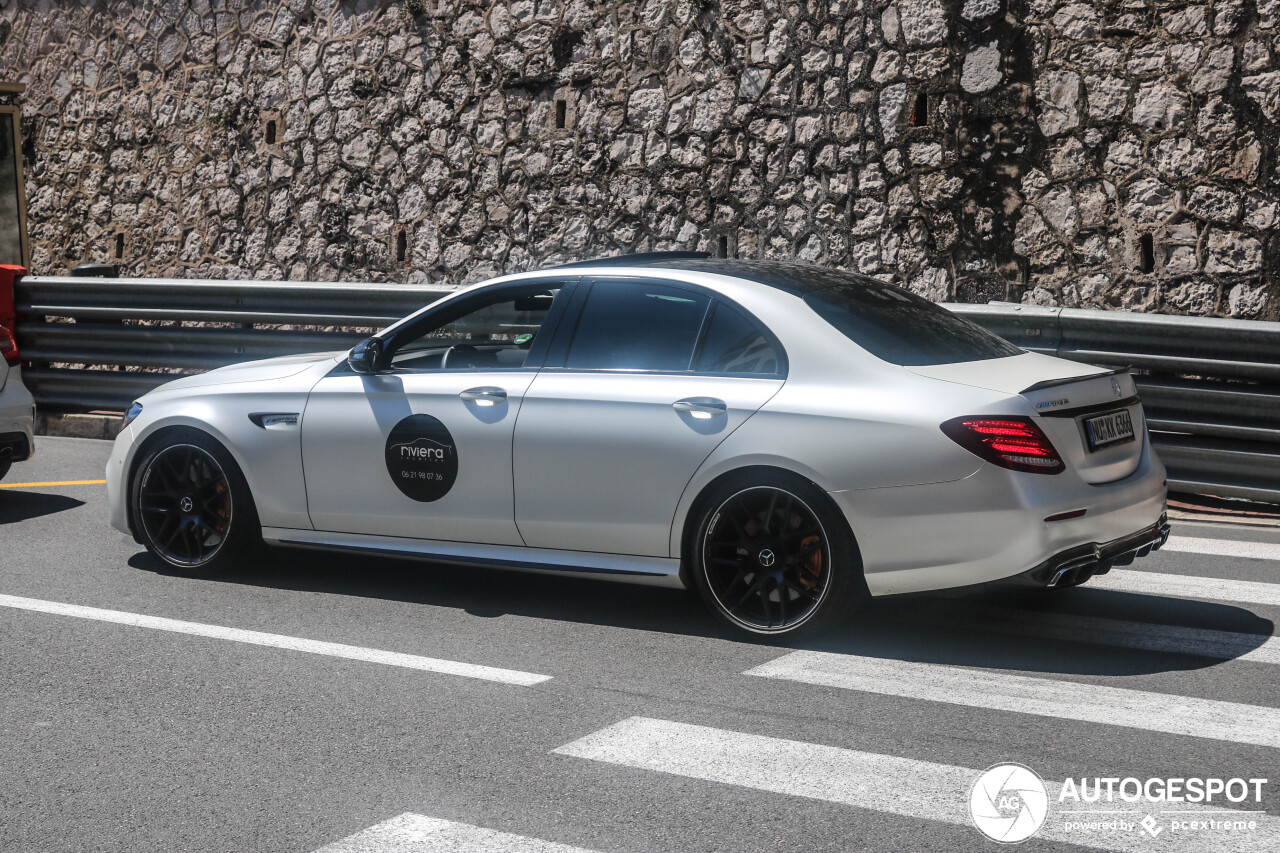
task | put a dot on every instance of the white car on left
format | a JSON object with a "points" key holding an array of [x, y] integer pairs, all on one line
{"points": [[17, 408]]}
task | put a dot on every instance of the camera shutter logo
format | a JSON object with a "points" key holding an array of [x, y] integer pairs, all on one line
{"points": [[1009, 803]]}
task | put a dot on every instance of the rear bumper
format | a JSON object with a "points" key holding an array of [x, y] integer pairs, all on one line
{"points": [[995, 525], [1076, 565]]}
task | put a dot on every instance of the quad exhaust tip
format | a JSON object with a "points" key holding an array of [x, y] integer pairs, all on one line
{"points": [[1078, 568]]}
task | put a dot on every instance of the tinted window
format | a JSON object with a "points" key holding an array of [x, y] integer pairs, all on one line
{"points": [[491, 334], [896, 325], [637, 326], [734, 344]]}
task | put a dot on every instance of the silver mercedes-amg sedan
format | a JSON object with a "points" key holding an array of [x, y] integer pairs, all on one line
{"points": [[789, 440]]}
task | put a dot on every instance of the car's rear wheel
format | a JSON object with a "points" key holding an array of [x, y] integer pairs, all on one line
{"points": [[191, 505], [772, 556]]}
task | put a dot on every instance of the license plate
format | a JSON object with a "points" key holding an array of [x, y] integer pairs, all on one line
{"points": [[1108, 429]]}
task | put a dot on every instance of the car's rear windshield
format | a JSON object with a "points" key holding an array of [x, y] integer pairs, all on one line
{"points": [[897, 326]]}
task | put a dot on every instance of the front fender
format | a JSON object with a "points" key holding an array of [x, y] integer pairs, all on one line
{"points": [[270, 459]]}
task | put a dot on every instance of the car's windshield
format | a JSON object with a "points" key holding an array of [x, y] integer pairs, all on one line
{"points": [[897, 326]]}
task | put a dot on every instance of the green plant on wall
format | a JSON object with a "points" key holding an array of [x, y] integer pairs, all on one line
{"points": [[414, 8]]}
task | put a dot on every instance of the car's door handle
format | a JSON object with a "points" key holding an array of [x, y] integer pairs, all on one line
{"points": [[701, 407], [484, 396]]}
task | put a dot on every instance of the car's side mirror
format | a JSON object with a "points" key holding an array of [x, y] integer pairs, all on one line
{"points": [[366, 356]]}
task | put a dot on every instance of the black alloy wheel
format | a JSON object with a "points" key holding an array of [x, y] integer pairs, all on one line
{"points": [[190, 504], [185, 505], [766, 560]]}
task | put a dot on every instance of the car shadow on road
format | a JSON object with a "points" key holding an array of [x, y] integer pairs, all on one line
{"points": [[991, 628], [17, 505], [1079, 631]]}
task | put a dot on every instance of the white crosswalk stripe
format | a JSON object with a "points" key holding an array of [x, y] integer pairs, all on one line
{"points": [[882, 783], [415, 833], [279, 641], [1223, 547], [1067, 700], [1188, 586], [1148, 636], [907, 788]]}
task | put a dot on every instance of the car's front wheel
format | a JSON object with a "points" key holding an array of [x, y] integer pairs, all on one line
{"points": [[772, 556], [191, 505]]}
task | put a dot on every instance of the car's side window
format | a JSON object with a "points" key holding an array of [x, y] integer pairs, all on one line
{"points": [[635, 325], [733, 343], [492, 334]]}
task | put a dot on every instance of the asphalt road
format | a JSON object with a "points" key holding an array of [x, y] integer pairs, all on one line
{"points": [[466, 709]]}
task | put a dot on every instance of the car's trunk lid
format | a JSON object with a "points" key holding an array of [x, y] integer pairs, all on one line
{"points": [[1073, 402]]}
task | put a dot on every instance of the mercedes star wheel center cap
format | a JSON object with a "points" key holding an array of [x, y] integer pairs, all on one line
{"points": [[767, 557], [186, 504]]}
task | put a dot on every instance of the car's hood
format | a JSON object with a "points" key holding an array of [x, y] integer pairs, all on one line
{"points": [[1011, 375], [253, 371]]}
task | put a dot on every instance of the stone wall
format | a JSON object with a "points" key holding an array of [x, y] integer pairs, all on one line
{"points": [[1121, 153]]}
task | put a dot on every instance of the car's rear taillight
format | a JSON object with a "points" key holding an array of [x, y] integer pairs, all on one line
{"points": [[8, 347], [1006, 440]]}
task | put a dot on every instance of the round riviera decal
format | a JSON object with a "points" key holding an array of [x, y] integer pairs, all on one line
{"points": [[421, 458]]}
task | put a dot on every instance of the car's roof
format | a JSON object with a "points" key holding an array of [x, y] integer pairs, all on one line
{"points": [[796, 278], [799, 279]]}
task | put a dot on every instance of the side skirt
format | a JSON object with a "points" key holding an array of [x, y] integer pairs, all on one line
{"points": [[650, 571]]}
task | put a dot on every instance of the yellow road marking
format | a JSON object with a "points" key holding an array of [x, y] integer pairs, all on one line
{"points": [[60, 483]]}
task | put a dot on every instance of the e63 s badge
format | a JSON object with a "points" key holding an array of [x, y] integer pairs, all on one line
{"points": [[421, 458]]}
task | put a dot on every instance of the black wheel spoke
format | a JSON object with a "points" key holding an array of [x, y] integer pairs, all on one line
{"points": [[803, 533], [738, 526], [192, 541], [751, 590], [737, 579], [201, 524], [763, 595], [167, 524], [165, 481], [801, 590], [182, 475]]}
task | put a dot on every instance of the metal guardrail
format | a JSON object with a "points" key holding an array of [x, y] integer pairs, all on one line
{"points": [[1210, 387], [99, 343]]}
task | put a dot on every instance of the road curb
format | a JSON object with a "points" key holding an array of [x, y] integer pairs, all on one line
{"points": [[78, 426]]}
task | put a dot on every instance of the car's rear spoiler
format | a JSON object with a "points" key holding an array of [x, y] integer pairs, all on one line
{"points": [[1049, 383]]}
